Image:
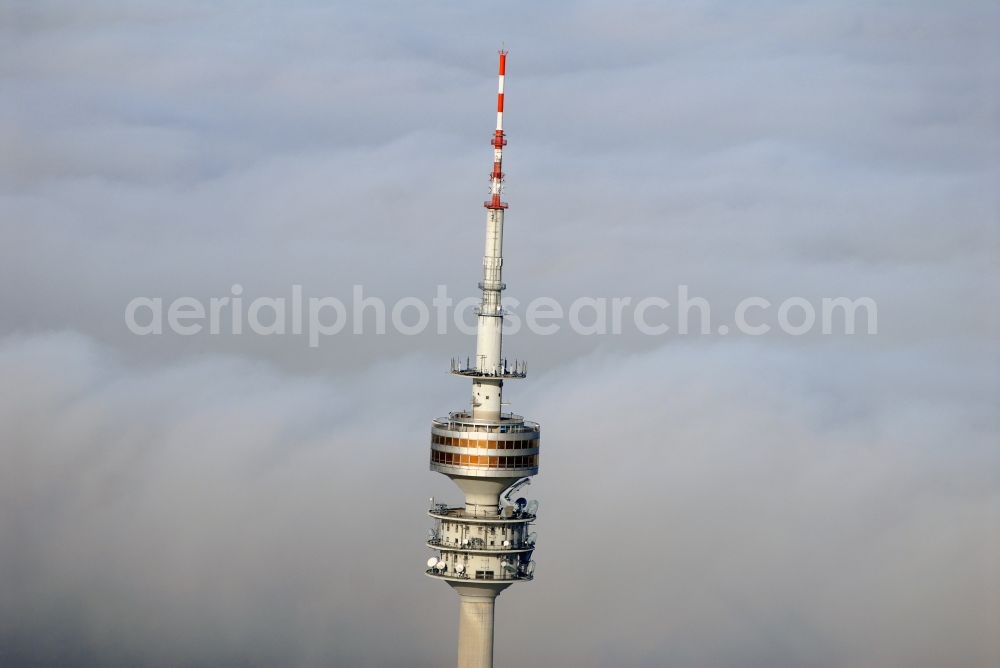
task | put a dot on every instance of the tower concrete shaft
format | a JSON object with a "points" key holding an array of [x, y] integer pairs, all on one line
{"points": [[485, 545], [476, 605], [475, 631]]}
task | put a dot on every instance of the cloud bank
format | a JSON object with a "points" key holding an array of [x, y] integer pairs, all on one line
{"points": [[705, 502]]}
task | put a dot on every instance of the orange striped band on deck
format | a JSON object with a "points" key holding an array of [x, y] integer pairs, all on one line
{"points": [[522, 444], [484, 461]]}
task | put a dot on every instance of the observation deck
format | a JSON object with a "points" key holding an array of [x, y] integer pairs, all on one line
{"points": [[503, 448], [460, 514], [502, 371], [440, 544], [517, 576], [509, 423]]}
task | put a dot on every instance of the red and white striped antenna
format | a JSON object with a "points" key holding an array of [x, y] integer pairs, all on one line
{"points": [[496, 177]]}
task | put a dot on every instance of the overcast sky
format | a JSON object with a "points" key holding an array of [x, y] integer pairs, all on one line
{"points": [[707, 501]]}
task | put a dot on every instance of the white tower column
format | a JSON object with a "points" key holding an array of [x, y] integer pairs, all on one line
{"points": [[476, 605], [475, 631]]}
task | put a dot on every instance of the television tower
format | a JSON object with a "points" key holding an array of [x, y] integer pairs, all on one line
{"points": [[485, 546]]}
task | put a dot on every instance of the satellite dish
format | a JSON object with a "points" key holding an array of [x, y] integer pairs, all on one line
{"points": [[459, 568], [532, 537], [465, 541], [506, 543], [442, 564], [431, 534], [530, 568], [532, 507], [432, 562], [521, 503]]}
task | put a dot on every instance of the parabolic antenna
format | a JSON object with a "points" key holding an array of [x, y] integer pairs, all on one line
{"points": [[443, 565], [531, 538], [533, 507], [521, 503], [459, 568], [432, 562], [506, 543]]}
